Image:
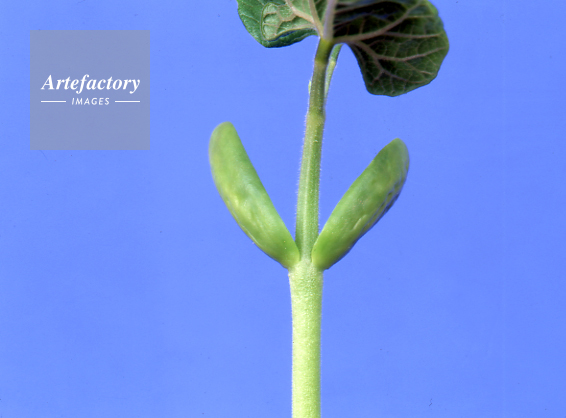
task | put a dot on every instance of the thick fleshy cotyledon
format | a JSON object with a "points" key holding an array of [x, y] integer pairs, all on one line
{"points": [[365, 202], [246, 198]]}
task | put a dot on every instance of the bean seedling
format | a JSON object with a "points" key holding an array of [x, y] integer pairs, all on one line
{"points": [[399, 46]]}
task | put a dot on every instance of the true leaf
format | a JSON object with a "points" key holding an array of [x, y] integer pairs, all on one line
{"points": [[399, 44], [273, 23]]}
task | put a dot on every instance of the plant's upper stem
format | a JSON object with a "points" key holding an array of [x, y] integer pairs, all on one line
{"points": [[307, 202]]}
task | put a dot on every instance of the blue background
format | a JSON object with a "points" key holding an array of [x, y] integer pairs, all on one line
{"points": [[127, 290]]}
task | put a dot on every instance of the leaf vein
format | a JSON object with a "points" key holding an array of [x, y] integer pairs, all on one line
{"points": [[381, 31]]}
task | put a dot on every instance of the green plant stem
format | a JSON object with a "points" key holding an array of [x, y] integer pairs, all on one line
{"points": [[306, 302], [305, 279], [307, 202]]}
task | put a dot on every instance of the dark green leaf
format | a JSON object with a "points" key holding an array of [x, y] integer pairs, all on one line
{"points": [[399, 44], [273, 23]]}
